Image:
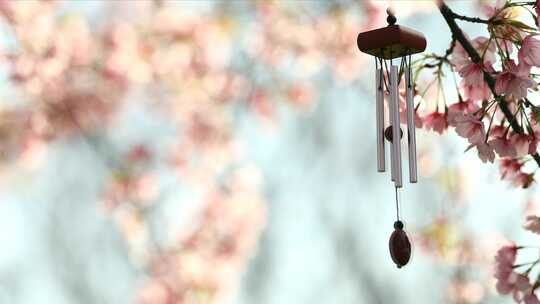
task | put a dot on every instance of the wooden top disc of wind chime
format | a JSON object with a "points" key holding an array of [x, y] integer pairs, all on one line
{"points": [[390, 42]]}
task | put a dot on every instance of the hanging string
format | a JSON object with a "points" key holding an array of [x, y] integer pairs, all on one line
{"points": [[383, 79], [388, 71], [401, 65], [377, 66]]}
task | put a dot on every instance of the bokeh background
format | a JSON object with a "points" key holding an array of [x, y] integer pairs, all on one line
{"points": [[223, 152]]}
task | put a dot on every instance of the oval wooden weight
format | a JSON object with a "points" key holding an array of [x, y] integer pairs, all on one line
{"points": [[400, 247]]}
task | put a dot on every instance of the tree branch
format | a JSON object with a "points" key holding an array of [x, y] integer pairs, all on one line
{"points": [[457, 34], [469, 19]]}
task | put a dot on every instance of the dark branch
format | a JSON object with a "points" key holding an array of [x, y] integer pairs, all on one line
{"points": [[457, 34], [451, 48], [469, 19]]}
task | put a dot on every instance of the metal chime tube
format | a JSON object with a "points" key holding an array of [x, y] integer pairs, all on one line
{"points": [[411, 129], [390, 122], [379, 117], [396, 138]]}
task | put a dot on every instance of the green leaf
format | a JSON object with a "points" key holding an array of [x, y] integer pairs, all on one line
{"points": [[519, 24]]}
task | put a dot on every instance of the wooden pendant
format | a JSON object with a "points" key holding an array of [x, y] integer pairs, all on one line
{"points": [[400, 247]]}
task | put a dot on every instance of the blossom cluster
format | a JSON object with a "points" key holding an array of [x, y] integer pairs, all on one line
{"points": [[510, 281], [493, 110], [72, 80]]}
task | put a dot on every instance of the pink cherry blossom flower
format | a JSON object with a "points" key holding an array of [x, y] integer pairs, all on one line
{"points": [[504, 260], [470, 127], [483, 45], [473, 84], [460, 58], [479, 91], [532, 224], [520, 284], [523, 180], [459, 108], [497, 131], [530, 51], [502, 82], [472, 74], [436, 121], [466, 106], [510, 168], [503, 146], [491, 10], [485, 152], [515, 81], [531, 299], [522, 143], [507, 279], [533, 145]]}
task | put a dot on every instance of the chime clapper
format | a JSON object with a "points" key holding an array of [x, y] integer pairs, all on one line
{"points": [[386, 44]]}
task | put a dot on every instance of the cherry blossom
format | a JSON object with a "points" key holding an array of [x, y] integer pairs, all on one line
{"points": [[436, 121], [510, 168], [530, 298], [458, 109], [485, 151], [461, 59], [493, 108], [472, 74], [507, 280], [514, 82], [501, 14], [477, 91], [491, 9], [469, 127], [497, 131], [523, 180], [523, 143], [530, 51], [473, 84], [503, 146]]}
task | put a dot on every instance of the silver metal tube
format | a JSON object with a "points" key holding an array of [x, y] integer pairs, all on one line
{"points": [[392, 153], [396, 138], [379, 117], [411, 128]]}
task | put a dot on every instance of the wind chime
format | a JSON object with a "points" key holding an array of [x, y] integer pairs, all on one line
{"points": [[388, 44]]}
